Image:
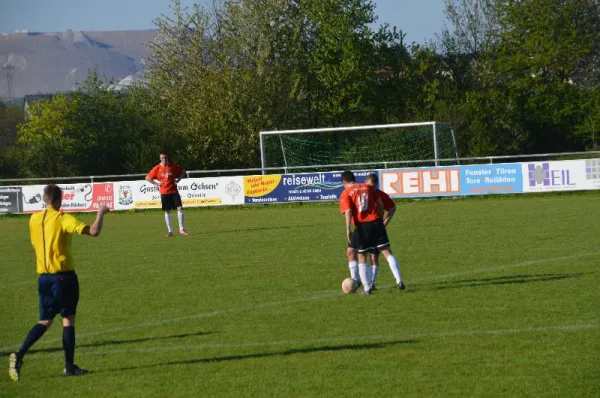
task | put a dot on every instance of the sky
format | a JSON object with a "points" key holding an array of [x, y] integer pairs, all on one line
{"points": [[420, 20]]}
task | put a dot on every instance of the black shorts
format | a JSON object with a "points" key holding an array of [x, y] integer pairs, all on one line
{"points": [[59, 294], [374, 251], [370, 237], [171, 201]]}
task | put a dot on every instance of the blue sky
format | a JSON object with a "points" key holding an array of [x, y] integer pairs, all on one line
{"points": [[419, 19]]}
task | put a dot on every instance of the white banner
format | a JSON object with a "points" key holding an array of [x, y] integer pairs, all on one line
{"points": [[566, 175], [76, 197], [195, 192], [592, 173]]}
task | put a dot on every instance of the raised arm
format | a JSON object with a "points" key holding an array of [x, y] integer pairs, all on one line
{"points": [[95, 229]]}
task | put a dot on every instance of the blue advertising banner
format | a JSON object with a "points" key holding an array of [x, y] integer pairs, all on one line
{"points": [[452, 180], [491, 179], [304, 187]]}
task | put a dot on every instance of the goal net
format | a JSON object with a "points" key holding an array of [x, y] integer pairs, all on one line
{"points": [[379, 146]]}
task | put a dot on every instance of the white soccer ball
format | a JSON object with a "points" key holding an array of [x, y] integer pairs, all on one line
{"points": [[349, 285]]}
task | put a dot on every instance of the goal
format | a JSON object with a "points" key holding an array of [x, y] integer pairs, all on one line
{"points": [[375, 146]]}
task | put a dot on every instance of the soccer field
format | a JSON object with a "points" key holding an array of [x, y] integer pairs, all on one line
{"points": [[502, 299]]}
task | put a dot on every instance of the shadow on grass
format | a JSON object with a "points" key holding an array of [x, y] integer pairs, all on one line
{"points": [[115, 342], [294, 351], [273, 227], [500, 280]]}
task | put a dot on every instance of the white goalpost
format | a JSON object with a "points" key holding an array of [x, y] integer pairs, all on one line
{"points": [[429, 142]]}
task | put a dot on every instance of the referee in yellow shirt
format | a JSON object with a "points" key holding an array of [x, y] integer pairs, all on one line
{"points": [[58, 288]]}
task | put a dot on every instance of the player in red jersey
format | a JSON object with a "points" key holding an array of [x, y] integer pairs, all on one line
{"points": [[389, 209], [359, 204], [166, 175]]}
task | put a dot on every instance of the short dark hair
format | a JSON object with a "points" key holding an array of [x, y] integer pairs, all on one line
{"points": [[348, 176], [52, 192], [373, 178]]}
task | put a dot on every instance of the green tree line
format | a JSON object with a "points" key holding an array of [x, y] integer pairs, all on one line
{"points": [[511, 76]]}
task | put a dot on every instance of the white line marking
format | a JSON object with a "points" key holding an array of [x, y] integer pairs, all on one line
{"points": [[318, 296]]}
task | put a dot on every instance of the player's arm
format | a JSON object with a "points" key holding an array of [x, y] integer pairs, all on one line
{"points": [[151, 177], [346, 210], [95, 229], [388, 206], [348, 217], [380, 208], [388, 217]]}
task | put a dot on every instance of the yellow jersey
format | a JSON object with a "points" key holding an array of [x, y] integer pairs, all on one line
{"points": [[51, 232]]}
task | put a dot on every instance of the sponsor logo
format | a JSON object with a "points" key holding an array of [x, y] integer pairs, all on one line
{"points": [[232, 189], [542, 175], [125, 195], [421, 181]]}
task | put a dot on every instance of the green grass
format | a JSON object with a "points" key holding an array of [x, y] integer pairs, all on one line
{"points": [[502, 299]]}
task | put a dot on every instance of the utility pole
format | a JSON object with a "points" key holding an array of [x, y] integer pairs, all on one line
{"points": [[8, 74]]}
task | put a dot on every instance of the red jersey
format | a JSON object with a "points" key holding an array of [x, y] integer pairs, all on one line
{"points": [[388, 203], [167, 174], [361, 199]]}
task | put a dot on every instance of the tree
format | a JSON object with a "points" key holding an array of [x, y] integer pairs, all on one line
{"points": [[222, 75], [48, 137], [543, 42], [10, 117], [92, 131]]}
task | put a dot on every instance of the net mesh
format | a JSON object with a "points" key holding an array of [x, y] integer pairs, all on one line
{"points": [[384, 145]]}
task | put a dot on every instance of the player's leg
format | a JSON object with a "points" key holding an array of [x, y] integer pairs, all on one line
{"points": [[394, 266], [383, 245], [166, 203], [48, 310], [352, 263], [179, 205], [358, 238], [374, 266], [67, 293]]}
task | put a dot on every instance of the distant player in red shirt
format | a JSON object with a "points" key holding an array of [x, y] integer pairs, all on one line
{"points": [[389, 209], [359, 204], [166, 175]]}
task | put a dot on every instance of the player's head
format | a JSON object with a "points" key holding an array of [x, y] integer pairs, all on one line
{"points": [[372, 179], [53, 196], [348, 178], [164, 158]]}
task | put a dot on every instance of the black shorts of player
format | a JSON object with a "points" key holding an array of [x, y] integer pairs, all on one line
{"points": [[370, 237], [170, 201], [374, 251], [59, 294]]}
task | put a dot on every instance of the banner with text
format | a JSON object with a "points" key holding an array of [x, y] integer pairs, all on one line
{"points": [[426, 181], [550, 176], [452, 181], [76, 197], [11, 201], [305, 187], [216, 191], [491, 179], [566, 175]]}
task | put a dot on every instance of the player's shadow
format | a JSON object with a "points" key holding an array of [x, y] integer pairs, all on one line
{"points": [[500, 280], [293, 351], [119, 342], [267, 228]]}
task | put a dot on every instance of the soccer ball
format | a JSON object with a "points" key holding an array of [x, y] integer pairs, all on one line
{"points": [[349, 285]]}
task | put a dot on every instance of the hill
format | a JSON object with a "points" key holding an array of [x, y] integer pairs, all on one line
{"points": [[32, 63]]}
